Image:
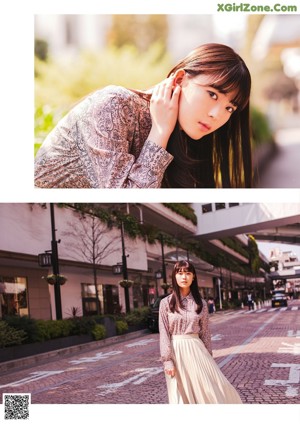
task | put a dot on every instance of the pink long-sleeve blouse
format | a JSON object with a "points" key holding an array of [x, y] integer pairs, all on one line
{"points": [[102, 143], [187, 321]]}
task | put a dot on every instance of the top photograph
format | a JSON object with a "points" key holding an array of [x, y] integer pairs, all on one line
{"points": [[167, 101]]}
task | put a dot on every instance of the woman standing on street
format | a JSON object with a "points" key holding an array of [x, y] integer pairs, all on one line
{"points": [[190, 130], [192, 375]]}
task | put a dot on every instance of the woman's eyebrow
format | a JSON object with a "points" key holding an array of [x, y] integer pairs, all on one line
{"points": [[235, 104]]}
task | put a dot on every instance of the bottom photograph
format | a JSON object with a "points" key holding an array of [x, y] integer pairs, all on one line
{"points": [[149, 303]]}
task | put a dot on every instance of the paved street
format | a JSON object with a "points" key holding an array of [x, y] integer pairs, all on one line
{"points": [[283, 171], [257, 350]]}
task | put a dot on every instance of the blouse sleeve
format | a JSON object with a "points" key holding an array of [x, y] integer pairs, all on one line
{"points": [[204, 333], [102, 142], [165, 336]]}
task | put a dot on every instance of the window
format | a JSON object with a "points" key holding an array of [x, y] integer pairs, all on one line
{"points": [[207, 208], [110, 298], [232, 205], [13, 296], [220, 206], [108, 295], [88, 294]]}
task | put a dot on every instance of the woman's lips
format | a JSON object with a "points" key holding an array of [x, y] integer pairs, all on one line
{"points": [[204, 126]]}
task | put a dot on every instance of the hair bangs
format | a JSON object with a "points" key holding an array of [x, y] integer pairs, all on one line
{"points": [[183, 266], [236, 81]]}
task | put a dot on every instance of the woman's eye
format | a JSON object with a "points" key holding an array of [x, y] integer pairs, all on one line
{"points": [[213, 95], [230, 109]]}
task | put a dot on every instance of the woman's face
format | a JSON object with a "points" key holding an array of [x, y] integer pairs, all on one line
{"points": [[184, 280], [202, 109]]}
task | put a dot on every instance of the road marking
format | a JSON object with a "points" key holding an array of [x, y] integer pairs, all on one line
{"points": [[261, 310], [294, 308], [292, 333], [284, 308], [294, 349], [37, 375], [95, 358], [294, 378], [272, 310], [217, 337], [141, 377], [239, 348], [141, 343]]}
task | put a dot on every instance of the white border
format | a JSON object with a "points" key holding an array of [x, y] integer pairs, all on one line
{"points": [[17, 106]]}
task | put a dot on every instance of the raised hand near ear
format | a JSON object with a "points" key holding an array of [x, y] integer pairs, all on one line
{"points": [[164, 110]]}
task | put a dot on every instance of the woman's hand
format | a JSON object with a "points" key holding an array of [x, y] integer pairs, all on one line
{"points": [[164, 111], [170, 372]]}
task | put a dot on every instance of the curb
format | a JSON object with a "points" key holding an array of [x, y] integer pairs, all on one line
{"points": [[18, 364]]}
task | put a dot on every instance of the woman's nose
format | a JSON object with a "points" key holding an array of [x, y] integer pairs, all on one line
{"points": [[214, 112]]}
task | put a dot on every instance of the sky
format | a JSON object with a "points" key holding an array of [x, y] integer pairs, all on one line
{"points": [[265, 248]]}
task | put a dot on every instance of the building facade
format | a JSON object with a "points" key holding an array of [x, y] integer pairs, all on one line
{"points": [[94, 249], [27, 235]]}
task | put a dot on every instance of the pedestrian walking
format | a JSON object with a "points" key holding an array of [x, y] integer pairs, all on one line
{"points": [[192, 375], [190, 130], [211, 305], [250, 301]]}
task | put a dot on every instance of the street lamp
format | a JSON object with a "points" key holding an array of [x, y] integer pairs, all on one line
{"points": [[164, 274], [158, 276], [124, 269], [55, 265], [50, 258], [220, 296], [117, 269]]}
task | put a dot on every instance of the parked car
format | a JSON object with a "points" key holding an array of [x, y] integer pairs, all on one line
{"points": [[153, 316], [279, 299]]}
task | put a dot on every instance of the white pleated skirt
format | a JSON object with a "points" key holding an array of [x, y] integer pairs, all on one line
{"points": [[198, 379]]}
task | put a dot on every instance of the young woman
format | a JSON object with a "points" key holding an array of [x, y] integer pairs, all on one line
{"points": [[190, 130], [192, 375]]}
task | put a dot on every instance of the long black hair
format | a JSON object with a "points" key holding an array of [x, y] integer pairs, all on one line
{"points": [[222, 158], [175, 301]]}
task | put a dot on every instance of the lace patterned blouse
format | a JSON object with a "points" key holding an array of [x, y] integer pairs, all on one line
{"points": [[185, 322], [102, 143]]}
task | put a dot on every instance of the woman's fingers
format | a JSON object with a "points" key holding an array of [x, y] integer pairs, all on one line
{"points": [[170, 372], [164, 107], [164, 89]]}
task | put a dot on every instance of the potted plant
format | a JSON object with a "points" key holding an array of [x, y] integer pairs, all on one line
{"points": [[59, 278], [125, 283], [165, 287]]}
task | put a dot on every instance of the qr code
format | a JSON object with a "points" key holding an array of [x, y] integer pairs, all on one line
{"points": [[16, 406]]}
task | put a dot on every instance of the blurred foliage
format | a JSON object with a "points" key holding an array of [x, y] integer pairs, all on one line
{"points": [[261, 131], [36, 330], [121, 327], [10, 336], [138, 30], [41, 49], [184, 210], [254, 259], [60, 84], [99, 332]]}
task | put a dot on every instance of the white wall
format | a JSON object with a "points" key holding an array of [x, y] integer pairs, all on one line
{"points": [[26, 228], [245, 218]]}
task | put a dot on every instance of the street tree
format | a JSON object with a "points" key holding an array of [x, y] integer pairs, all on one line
{"points": [[92, 240]]}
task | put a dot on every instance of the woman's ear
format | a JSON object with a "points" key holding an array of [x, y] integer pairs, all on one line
{"points": [[179, 76]]}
